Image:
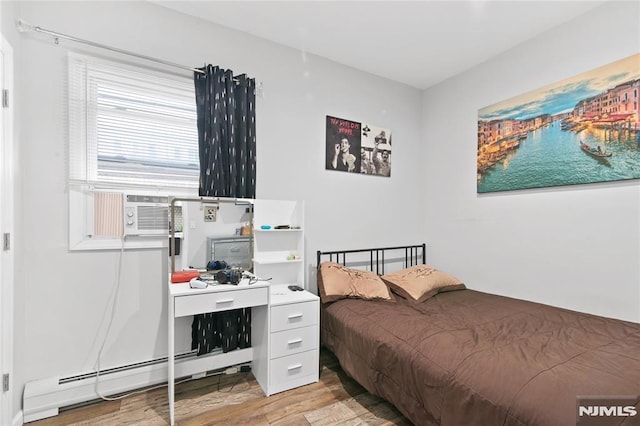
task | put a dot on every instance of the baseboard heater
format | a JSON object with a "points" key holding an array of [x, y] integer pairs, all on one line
{"points": [[44, 398]]}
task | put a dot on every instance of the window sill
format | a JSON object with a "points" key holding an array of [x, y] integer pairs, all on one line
{"points": [[130, 242]]}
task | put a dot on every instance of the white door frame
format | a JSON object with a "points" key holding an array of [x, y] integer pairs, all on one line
{"points": [[7, 183]]}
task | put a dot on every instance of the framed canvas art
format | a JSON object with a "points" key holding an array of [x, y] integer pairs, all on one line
{"points": [[584, 129]]}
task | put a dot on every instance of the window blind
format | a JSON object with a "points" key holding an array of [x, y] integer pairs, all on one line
{"points": [[131, 126]]}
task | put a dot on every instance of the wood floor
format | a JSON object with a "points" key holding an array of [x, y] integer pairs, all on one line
{"points": [[237, 399]]}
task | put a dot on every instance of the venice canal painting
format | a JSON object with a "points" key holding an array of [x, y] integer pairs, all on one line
{"points": [[581, 130]]}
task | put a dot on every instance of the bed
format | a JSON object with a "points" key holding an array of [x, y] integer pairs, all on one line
{"points": [[464, 357]]}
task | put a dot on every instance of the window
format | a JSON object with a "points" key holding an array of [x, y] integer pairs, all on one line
{"points": [[131, 126], [131, 130]]}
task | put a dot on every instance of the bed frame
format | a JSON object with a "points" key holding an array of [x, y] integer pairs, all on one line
{"points": [[413, 255], [469, 357]]}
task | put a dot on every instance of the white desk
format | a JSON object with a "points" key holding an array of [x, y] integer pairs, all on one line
{"points": [[186, 301]]}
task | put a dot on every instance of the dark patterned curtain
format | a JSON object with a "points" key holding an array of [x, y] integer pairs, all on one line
{"points": [[227, 148], [226, 133], [228, 330]]}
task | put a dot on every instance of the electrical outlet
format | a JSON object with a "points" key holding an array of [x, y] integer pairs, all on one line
{"points": [[210, 213]]}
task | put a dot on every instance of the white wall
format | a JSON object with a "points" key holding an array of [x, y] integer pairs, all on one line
{"points": [[541, 244], [61, 297]]}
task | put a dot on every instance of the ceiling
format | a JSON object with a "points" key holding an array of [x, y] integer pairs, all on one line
{"points": [[419, 43]]}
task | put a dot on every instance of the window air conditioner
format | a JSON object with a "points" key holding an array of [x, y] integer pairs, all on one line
{"points": [[146, 215]]}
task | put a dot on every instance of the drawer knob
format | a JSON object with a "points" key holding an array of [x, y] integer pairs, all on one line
{"points": [[294, 316], [294, 341], [224, 301], [294, 367]]}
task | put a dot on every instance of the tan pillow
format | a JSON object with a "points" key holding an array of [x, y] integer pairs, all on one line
{"points": [[420, 282], [337, 282]]}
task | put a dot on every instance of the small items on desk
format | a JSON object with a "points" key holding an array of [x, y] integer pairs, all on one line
{"points": [[197, 283], [184, 276], [229, 276], [214, 265], [295, 288]]}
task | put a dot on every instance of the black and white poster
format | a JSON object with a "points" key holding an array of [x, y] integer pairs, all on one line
{"points": [[355, 147]]}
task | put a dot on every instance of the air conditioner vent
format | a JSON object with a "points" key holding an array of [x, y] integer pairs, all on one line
{"points": [[147, 199], [153, 218]]}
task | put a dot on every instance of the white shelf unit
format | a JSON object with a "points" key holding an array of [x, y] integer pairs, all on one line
{"points": [[273, 248]]}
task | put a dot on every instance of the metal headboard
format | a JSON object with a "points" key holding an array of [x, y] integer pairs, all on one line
{"points": [[413, 255]]}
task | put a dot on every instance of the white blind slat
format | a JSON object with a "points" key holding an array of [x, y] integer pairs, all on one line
{"points": [[131, 126]]}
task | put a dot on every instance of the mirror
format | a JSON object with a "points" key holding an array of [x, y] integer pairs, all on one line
{"points": [[212, 233]]}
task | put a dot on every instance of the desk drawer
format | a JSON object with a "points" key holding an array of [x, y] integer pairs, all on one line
{"points": [[293, 367], [285, 317], [220, 301], [294, 341]]}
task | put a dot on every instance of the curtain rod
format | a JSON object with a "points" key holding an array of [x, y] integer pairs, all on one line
{"points": [[24, 26]]}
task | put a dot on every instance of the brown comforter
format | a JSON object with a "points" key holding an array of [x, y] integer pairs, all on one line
{"points": [[471, 358]]}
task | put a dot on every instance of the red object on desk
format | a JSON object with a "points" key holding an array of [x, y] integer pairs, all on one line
{"points": [[184, 276]]}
